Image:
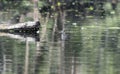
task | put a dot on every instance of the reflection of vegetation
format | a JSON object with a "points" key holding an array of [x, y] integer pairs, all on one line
{"points": [[92, 48], [22, 6], [7, 52], [15, 51], [9, 4], [42, 64], [97, 44], [19, 56]]}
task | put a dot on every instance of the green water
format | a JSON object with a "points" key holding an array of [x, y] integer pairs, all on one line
{"points": [[93, 47]]}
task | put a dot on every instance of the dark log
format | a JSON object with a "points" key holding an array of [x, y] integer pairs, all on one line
{"points": [[27, 27]]}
